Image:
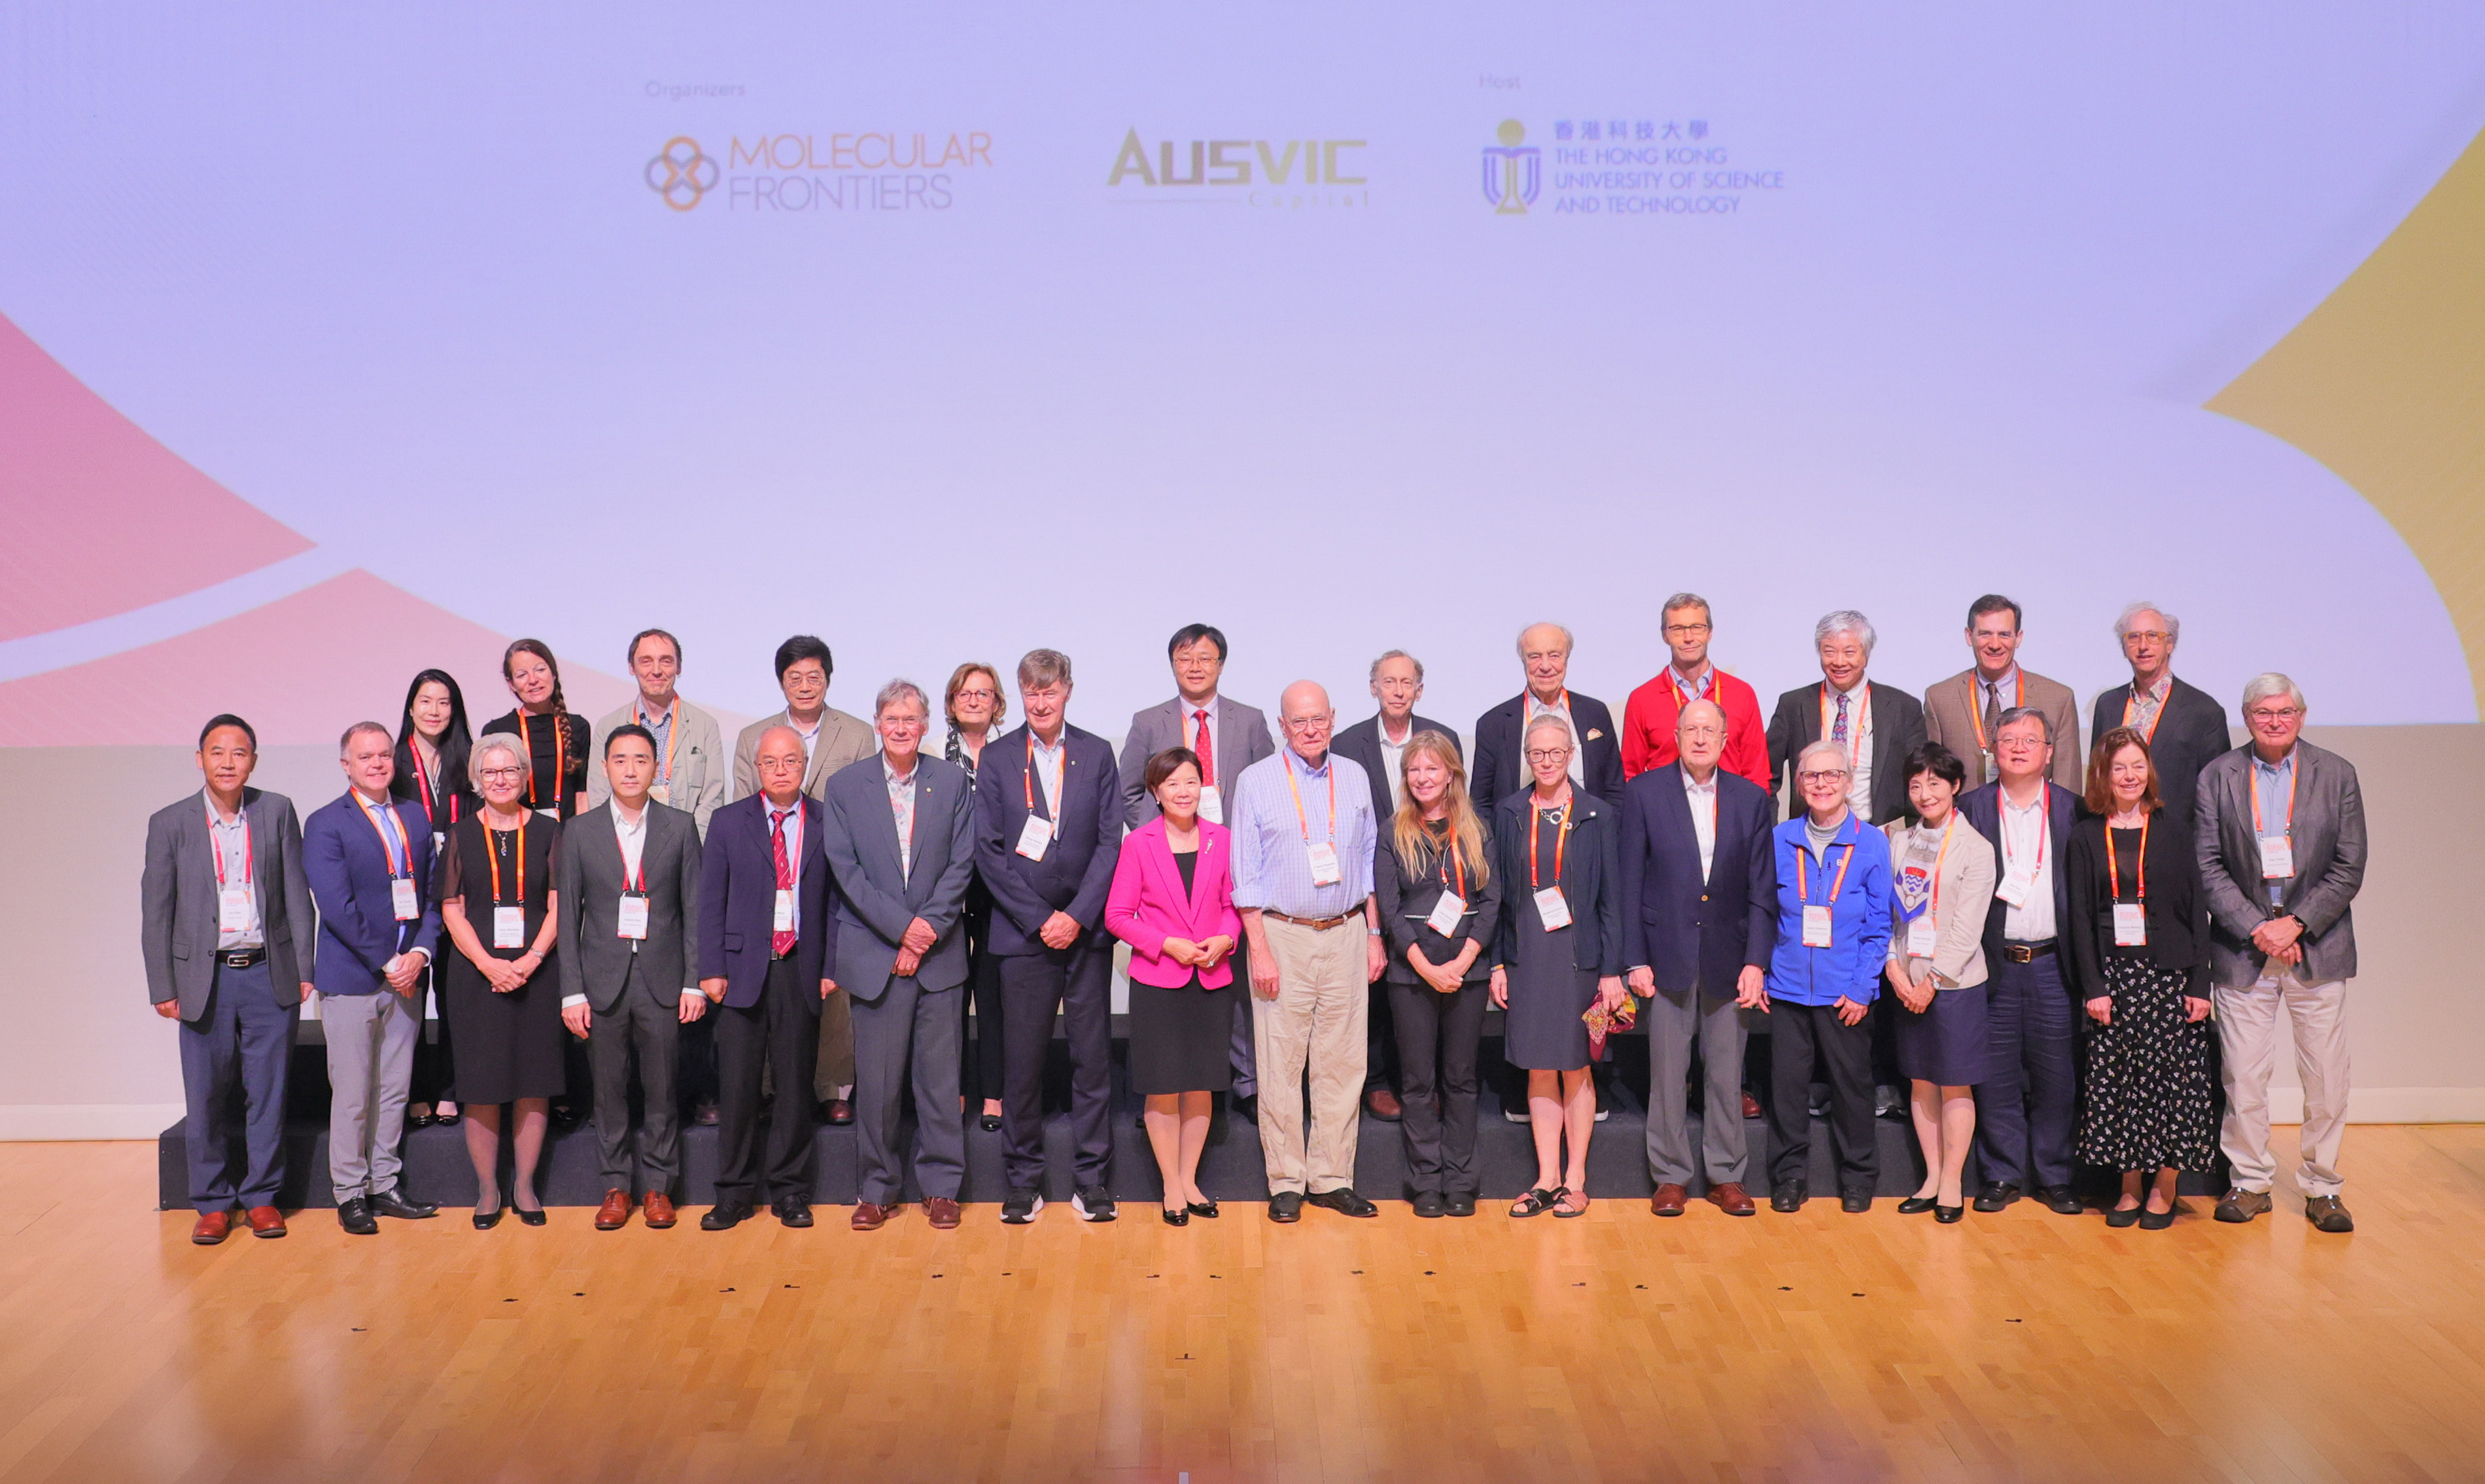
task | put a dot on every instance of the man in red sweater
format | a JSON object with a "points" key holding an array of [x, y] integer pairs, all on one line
{"points": [[1647, 720]]}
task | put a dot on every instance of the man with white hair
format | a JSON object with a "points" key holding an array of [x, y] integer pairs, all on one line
{"points": [[2184, 725], [1500, 764], [1877, 725], [2281, 835]]}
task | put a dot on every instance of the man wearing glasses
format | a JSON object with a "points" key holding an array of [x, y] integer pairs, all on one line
{"points": [[2281, 835], [1649, 717], [2185, 728]]}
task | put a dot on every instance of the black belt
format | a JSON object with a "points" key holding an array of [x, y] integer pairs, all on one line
{"points": [[2026, 952], [243, 957]]}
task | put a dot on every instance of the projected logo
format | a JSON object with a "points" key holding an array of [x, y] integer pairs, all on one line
{"points": [[1269, 175], [680, 174], [1512, 173]]}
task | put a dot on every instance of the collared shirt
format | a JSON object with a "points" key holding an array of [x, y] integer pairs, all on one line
{"points": [[1996, 695], [792, 815], [812, 737], [662, 724], [1051, 764], [901, 804], [2276, 783], [1703, 800], [2023, 842], [398, 850], [2139, 712], [1858, 744], [1271, 860], [228, 842], [1691, 689], [1191, 725], [1578, 744], [633, 837], [1393, 757]]}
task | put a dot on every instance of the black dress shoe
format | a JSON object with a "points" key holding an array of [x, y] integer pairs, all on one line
{"points": [[392, 1203], [1855, 1203], [1345, 1201], [792, 1210], [1286, 1205], [1205, 1208], [356, 1217], [1888, 1102], [1178, 1216], [2059, 1200], [1950, 1215], [726, 1215], [1461, 1202], [1997, 1194], [2118, 1217], [485, 1220], [534, 1218], [1427, 1204], [1789, 1196], [990, 1123], [1916, 1205]]}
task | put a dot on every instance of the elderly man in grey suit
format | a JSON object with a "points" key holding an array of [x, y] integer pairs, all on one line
{"points": [[899, 834], [694, 772], [225, 931], [1228, 736], [629, 879], [2279, 828], [1964, 712]]}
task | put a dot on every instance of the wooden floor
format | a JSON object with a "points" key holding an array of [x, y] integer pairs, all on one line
{"points": [[1823, 1346]]}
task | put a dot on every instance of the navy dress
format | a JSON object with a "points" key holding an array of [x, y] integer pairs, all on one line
{"points": [[1552, 975]]}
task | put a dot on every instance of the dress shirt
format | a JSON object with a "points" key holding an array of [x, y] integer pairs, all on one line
{"points": [[793, 818], [661, 725], [1393, 761], [2140, 710], [1579, 744], [1703, 800], [1858, 744], [1191, 725], [1693, 689], [2023, 839], [229, 842], [812, 737], [1272, 865], [901, 804], [1048, 765], [393, 844], [1998, 695], [2277, 784]]}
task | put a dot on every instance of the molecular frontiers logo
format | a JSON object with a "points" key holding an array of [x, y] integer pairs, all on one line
{"points": [[1267, 174], [871, 170], [1633, 167]]}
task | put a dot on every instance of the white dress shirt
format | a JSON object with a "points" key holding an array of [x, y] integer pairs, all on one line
{"points": [[2023, 842], [1191, 725], [901, 804], [1050, 763], [1392, 760], [1859, 745], [1703, 800]]}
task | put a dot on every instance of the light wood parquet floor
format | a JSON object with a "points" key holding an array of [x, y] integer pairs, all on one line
{"points": [[1816, 1347]]}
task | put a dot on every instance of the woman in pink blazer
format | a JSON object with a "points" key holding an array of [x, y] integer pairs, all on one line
{"points": [[1173, 902]]}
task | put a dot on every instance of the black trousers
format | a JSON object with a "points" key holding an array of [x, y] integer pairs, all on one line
{"points": [[1079, 981], [1437, 1036], [1801, 1035], [982, 1071], [1381, 1068], [646, 1021], [782, 1036]]}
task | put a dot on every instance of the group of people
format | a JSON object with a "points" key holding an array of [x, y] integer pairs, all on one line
{"points": [[793, 933]]}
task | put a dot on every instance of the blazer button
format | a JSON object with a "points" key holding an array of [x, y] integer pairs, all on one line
{"points": [[1704, 896]]}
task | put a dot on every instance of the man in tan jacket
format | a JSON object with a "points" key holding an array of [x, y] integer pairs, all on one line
{"points": [[1961, 713]]}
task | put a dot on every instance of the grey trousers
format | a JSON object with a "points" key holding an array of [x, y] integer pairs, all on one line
{"points": [[651, 1025], [371, 1064], [909, 1031], [1672, 1020]]}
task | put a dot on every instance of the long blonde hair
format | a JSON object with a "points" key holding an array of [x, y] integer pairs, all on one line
{"points": [[1411, 840]]}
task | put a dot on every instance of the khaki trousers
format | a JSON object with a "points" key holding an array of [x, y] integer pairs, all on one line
{"points": [[1320, 1016], [2247, 1038]]}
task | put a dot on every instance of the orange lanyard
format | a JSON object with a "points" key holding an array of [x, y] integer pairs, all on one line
{"points": [[673, 729], [389, 848], [1855, 729], [1803, 881], [1561, 844], [1061, 777], [494, 852], [2294, 776], [560, 756], [247, 865], [1933, 904], [2132, 701], [421, 778], [1302, 818], [1674, 683], [2113, 860], [1976, 712], [1460, 862]]}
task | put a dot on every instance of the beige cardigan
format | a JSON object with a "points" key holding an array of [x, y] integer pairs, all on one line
{"points": [[1964, 894]]}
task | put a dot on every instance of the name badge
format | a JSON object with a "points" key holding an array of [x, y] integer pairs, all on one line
{"points": [[553, 815], [233, 909], [1550, 906], [634, 914], [784, 921], [2016, 886], [662, 794], [439, 843], [401, 899], [509, 927], [1212, 804], [2277, 857], [1816, 926], [1325, 872], [1446, 914], [1923, 938], [1034, 837], [2130, 925]]}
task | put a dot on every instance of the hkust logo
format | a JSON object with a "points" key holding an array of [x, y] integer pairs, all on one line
{"points": [[1513, 175], [868, 171], [1269, 175]]}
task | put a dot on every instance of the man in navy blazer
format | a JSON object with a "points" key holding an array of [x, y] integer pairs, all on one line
{"points": [[1699, 902], [1596, 756], [1047, 831], [766, 935], [2025, 1106], [369, 861]]}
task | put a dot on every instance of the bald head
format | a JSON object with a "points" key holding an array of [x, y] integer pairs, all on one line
{"points": [[780, 764], [1700, 733], [1304, 713]]}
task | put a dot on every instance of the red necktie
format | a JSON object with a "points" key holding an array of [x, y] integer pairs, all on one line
{"points": [[783, 942], [1206, 750]]}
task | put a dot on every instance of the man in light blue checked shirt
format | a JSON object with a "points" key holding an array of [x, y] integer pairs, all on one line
{"points": [[1304, 836]]}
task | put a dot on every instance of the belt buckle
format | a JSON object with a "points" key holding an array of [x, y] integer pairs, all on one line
{"points": [[238, 960], [2018, 953]]}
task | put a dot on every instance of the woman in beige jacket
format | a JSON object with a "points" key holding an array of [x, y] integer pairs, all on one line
{"points": [[1943, 876]]}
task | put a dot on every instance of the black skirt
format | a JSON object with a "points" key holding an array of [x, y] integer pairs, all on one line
{"points": [[1182, 1039], [2151, 1100]]}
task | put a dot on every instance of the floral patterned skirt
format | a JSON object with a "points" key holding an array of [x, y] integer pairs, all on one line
{"points": [[2151, 1096]]}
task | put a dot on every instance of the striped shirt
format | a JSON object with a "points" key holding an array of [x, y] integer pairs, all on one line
{"points": [[1272, 865]]}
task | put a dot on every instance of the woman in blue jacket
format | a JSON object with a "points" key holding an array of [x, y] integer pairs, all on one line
{"points": [[1833, 936]]}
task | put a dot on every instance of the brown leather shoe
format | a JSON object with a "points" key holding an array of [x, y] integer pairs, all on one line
{"points": [[659, 1207], [1751, 1107], [266, 1220], [614, 1213], [840, 1112], [941, 1212], [2327, 1213], [868, 1217], [1730, 1199], [1383, 1104], [211, 1228], [1668, 1200]]}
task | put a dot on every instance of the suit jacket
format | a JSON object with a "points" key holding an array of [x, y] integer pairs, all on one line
{"points": [[1962, 900], [1361, 742], [1951, 718], [1690, 931], [2177, 916], [2329, 838], [702, 773], [1078, 867], [1982, 808], [1590, 878], [176, 900], [1500, 767], [1241, 740], [1147, 904], [2191, 733], [1649, 716], [876, 897], [1407, 897], [1898, 726], [843, 740], [737, 907], [595, 959], [347, 868]]}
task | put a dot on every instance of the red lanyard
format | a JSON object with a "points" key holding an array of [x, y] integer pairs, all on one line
{"points": [[386, 849], [1975, 711], [2294, 776], [494, 852], [1561, 844], [421, 779], [640, 888], [215, 840], [1304, 819], [2044, 819], [1803, 882], [2114, 861]]}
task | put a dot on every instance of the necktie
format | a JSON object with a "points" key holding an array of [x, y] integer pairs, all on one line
{"points": [[782, 943], [1992, 708], [1838, 728], [1205, 749]]}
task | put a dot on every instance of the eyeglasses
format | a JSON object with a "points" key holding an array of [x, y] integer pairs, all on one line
{"points": [[1830, 776], [2151, 636], [1686, 630], [1547, 754], [979, 696], [1304, 726], [503, 772], [2274, 713]]}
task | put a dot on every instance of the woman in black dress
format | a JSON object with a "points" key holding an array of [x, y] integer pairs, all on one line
{"points": [[431, 746], [556, 742], [499, 909], [1558, 950], [975, 706], [2139, 945]]}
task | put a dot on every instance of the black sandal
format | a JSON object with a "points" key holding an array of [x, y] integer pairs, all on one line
{"points": [[1564, 1194], [1536, 1202]]}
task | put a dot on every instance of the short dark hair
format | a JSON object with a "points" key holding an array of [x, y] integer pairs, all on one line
{"points": [[227, 719], [1994, 603], [630, 656], [629, 729], [1192, 633], [2100, 781], [1162, 765], [802, 647], [1937, 759]]}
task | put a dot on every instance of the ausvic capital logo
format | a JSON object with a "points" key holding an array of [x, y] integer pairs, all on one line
{"points": [[681, 173]]}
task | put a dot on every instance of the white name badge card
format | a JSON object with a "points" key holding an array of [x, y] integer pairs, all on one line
{"points": [[439, 843], [1035, 837], [784, 921], [1816, 926], [401, 899], [2277, 857], [2016, 886], [1325, 872], [1212, 804], [553, 815], [2130, 925], [233, 909], [1550, 906], [1446, 914], [509, 927], [634, 914], [1923, 938], [661, 793]]}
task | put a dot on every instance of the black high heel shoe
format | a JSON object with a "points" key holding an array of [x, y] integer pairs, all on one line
{"points": [[1916, 1205]]}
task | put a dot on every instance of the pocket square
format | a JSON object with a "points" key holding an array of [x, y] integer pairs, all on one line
{"points": [[1595, 732]]}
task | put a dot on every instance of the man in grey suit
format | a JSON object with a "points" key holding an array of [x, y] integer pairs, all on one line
{"points": [[226, 931], [693, 772], [628, 877], [899, 834], [1229, 737], [2279, 829], [1964, 712]]}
